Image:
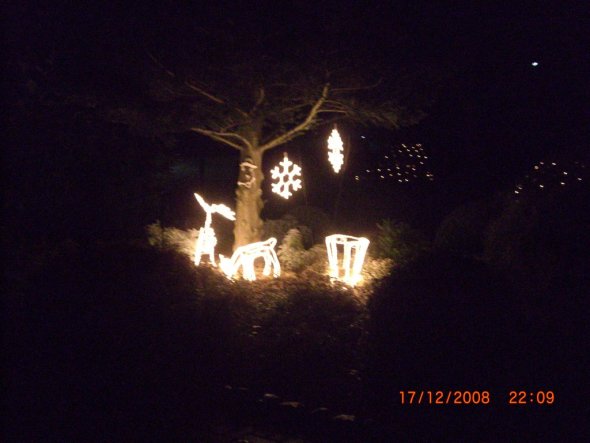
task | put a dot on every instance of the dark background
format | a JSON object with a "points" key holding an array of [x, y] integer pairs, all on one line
{"points": [[90, 321]]}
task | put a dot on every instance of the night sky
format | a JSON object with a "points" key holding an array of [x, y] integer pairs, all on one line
{"points": [[508, 84], [494, 114]]}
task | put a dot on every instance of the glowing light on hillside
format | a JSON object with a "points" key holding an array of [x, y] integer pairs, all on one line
{"points": [[547, 176], [403, 164], [354, 251], [286, 178], [206, 241], [244, 257], [335, 150]]}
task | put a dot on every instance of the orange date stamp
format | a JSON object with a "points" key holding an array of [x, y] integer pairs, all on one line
{"points": [[531, 397], [469, 397], [451, 397]]}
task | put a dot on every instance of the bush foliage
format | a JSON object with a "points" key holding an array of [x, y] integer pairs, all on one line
{"points": [[542, 241], [119, 321], [280, 227], [295, 258], [398, 241], [181, 240], [463, 231]]}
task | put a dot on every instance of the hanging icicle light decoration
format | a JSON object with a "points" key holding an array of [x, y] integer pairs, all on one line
{"points": [[335, 150]]}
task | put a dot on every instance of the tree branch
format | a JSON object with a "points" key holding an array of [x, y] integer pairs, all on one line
{"points": [[301, 126], [230, 124], [293, 108], [332, 111], [205, 93], [222, 137], [334, 104], [157, 62], [215, 98], [359, 88], [201, 91]]}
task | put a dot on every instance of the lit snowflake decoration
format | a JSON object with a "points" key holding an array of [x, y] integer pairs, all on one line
{"points": [[286, 178], [335, 150]]}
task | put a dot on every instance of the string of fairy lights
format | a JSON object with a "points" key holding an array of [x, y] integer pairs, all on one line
{"points": [[404, 163], [551, 175]]}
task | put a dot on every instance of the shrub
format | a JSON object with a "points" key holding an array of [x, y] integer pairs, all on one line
{"points": [[313, 337], [279, 228], [446, 320], [126, 321], [312, 222], [376, 268], [180, 240], [295, 258], [399, 242], [541, 242], [317, 220], [104, 323], [291, 251], [316, 258], [462, 232]]}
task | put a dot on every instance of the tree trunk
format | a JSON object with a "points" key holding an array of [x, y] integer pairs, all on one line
{"points": [[248, 225]]}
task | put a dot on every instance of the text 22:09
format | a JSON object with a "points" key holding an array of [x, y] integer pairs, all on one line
{"points": [[527, 398]]}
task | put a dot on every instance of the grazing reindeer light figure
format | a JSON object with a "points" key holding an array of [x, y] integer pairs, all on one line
{"points": [[244, 256], [206, 241]]}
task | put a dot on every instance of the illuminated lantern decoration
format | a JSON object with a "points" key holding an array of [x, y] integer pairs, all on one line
{"points": [[206, 241], [244, 257], [335, 150], [351, 266], [286, 178]]}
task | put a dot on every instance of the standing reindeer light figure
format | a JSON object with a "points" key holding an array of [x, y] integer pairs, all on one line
{"points": [[207, 241]]}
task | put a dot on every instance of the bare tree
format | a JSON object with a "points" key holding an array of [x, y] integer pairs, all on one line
{"points": [[256, 109]]}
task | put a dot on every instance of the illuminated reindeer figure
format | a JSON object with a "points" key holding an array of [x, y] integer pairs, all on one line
{"points": [[207, 241], [244, 256]]}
